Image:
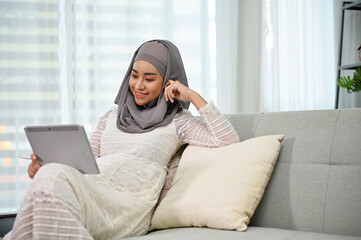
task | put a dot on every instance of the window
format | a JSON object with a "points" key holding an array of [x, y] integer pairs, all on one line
{"points": [[64, 61]]}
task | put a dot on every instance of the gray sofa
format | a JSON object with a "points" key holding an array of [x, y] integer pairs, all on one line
{"points": [[315, 189]]}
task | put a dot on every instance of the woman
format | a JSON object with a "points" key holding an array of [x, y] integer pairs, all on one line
{"points": [[133, 143]]}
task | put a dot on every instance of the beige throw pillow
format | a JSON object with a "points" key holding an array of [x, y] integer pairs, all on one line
{"points": [[219, 187], [172, 169]]}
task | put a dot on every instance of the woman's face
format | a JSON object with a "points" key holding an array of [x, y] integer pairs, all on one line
{"points": [[145, 82]]}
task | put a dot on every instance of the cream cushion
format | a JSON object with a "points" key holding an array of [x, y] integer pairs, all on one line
{"points": [[219, 187]]}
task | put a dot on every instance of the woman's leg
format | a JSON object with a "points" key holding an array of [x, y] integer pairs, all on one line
{"points": [[45, 213]]}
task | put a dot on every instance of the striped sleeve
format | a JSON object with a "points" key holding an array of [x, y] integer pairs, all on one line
{"points": [[97, 133], [213, 130]]}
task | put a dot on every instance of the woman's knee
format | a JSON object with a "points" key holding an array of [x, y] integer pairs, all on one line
{"points": [[48, 177]]}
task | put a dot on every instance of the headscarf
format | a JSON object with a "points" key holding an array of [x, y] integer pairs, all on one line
{"points": [[132, 118]]}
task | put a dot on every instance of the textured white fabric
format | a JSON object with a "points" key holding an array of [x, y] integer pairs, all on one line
{"points": [[214, 131], [118, 202]]}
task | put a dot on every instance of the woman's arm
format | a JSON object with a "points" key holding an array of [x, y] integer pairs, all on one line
{"points": [[214, 131], [97, 133]]}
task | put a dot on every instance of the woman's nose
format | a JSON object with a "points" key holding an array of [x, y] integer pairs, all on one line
{"points": [[140, 84]]}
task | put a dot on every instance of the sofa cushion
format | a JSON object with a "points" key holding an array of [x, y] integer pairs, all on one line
{"points": [[315, 185], [253, 233], [219, 187], [344, 189]]}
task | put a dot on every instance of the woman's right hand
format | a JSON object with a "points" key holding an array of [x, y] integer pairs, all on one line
{"points": [[34, 166]]}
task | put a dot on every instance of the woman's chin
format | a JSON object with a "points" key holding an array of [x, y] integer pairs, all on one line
{"points": [[141, 102]]}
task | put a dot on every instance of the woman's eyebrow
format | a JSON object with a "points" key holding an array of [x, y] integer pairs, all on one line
{"points": [[148, 73]]}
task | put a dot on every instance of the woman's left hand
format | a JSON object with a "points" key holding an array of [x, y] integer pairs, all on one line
{"points": [[176, 90]]}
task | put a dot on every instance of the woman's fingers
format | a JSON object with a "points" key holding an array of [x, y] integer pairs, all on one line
{"points": [[37, 165], [168, 96], [166, 90], [31, 171], [33, 166], [34, 161], [171, 87]]}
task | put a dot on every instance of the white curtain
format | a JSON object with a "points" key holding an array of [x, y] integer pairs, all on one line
{"points": [[238, 55], [63, 62], [285, 52]]}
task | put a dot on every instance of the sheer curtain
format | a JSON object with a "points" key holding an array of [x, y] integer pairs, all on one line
{"points": [[305, 52], [238, 25], [63, 62], [285, 52]]}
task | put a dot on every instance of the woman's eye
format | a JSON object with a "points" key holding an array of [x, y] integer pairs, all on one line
{"points": [[149, 79], [134, 76]]}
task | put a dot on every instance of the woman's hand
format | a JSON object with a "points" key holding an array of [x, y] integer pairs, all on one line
{"points": [[34, 166], [176, 90]]}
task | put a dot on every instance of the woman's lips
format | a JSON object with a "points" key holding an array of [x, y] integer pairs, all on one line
{"points": [[140, 95]]}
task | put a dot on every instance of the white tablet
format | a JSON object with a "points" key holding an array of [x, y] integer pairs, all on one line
{"points": [[66, 144]]}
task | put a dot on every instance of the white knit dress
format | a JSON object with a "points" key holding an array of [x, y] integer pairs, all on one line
{"points": [[62, 203]]}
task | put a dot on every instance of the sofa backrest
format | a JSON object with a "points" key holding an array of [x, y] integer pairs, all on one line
{"points": [[316, 183]]}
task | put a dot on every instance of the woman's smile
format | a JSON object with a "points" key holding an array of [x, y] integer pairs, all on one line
{"points": [[140, 94]]}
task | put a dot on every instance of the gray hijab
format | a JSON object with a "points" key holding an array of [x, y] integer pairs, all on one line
{"points": [[133, 118]]}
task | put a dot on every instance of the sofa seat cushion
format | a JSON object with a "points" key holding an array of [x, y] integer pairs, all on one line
{"points": [[253, 233]]}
